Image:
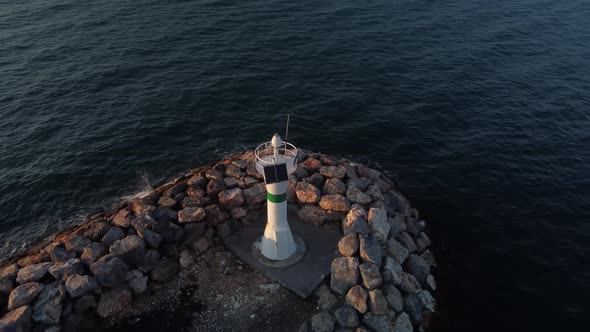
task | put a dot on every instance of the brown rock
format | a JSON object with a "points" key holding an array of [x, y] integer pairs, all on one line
{"points": [[255, 194], [214, 187], [238, 212], [234, 171], [335, 202], [357, 298], [215, 215], [197, 180], [123, 218], [191, 214], [131, 249], [49, 304], [24, 294], [168, 202], [312, 214], [61, 270], [334, 186], [311, 165], [348, 245], [231, 198], [195, 191], [371, 275], [9, 272], [192, 201], [307, 193], [17, 320], [97, 230], [345, 274], [32, 273], [214, 174], [333, 171]]}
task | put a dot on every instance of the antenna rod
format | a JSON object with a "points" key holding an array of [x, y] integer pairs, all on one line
{"points": [[287, 133]]}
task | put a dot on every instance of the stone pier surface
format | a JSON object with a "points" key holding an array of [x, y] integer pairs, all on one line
{"points": [[112, 267]]}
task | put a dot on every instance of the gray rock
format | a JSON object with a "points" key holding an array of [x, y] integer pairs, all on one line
{"points": [[357, 298], [238, 212], [312, 214], [355, 195], [402, 204], [396, 250], [412, 226], [110, 271], [417, 266], [315, 179], [393, 269], [61, 270], [33, 272], [355, 221], [335, 202], [48, 306], [215, 186], [377, 302], [6, 287], [215, 215], [375, 193], [231, 198], [114, 234], [378, 323], [403, 323], [123, 218], [334, 186], [169, 231], [150, 260], [431, 282], [234, 171], [255, 194], [97, 230], [192, 232], [92, 252], [112, 301], [370, 275], [60, 254], [322, 322], [137, 282], [9, 272], [202, 245], [78, 285], [164, 270], [348, 245], [307, 193], [197, 180], [84, 303], [422, 241], [396, 224], [345, 274], [150, 237], [18, 320], [131, 249], [427, 300], [300, 173], [347, 316], [413, 307], [409, 283], [333, 172], [177, 189], [145, 221], [164, 215], [327, 301], [379, 225], [167, 201], [370, 251], [24, 294], [224, 230], [359, 183], [394, 298], [186, 258]]}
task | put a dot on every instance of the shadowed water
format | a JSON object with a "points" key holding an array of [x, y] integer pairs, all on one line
{"points": [[479, 109]]}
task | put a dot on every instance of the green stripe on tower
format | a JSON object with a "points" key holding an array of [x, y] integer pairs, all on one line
{"points": [[276, 198]]}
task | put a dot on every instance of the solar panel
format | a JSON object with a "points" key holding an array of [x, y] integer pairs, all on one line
{"points": [[275, 173]]}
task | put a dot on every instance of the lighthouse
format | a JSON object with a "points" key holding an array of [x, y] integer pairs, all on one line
{"points": [[276, 160]]}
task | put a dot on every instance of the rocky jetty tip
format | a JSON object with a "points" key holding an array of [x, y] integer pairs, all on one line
{"points": [[381, 277]]}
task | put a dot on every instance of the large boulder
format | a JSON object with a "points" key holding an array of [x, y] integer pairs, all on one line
{"points": [[347, 317], [394, 298], [92, 252], [97, 230], [413, 306], [48, 306], [377, 302], [60, 270], [123, 218], [409, 283], [24, 294], [334, 186], [417, 266], [355, 221], [33, 272], [307, 193], [311, 165], [255, 194], [357, 298], [113, 301], [379, 225], [333, 172], [78, 285], [18, 320], [355, 195], [231, 198], [396, 250], [371, 275], [335, 202], [131, 249], [345, 274], [406, 240], [191, 214], [348, 245], [110, 271], [392, 271], [370, 251], [312, 214], [114, 234]]}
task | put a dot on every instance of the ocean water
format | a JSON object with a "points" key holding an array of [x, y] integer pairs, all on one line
{"points": [[479, 109]]}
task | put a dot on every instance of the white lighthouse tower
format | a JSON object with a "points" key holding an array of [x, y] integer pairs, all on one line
{"points": [[276, 160]]}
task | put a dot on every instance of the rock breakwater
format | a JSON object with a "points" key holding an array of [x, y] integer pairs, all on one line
{"points": [[381, 279]]}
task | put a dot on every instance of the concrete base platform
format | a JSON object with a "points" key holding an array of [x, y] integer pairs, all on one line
{"points": [[303, 277]]}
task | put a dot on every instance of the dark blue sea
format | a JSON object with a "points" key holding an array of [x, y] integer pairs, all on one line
{"points": [[479, 109]]}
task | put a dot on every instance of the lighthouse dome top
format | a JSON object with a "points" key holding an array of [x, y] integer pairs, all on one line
{"points": [[274, 152]]}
